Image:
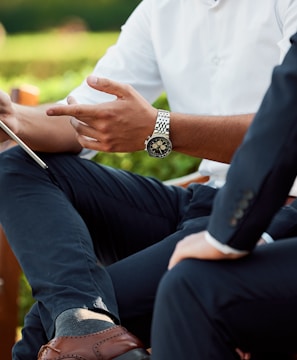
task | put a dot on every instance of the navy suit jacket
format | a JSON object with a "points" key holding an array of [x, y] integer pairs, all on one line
{"points": [[265, 165]]}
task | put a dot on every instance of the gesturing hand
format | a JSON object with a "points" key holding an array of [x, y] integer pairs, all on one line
{"points": [[121, 125]]}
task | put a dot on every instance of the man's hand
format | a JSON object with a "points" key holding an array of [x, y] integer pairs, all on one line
{"points": [[7, 114], [195, 246], [121, 125]]}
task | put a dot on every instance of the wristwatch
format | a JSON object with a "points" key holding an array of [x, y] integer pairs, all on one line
{"points": [[158, 144]]}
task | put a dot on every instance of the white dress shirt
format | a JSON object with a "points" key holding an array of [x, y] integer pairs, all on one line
{"points": [[211, 57]]}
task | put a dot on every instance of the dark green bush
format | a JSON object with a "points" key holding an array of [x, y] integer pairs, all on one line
{"points": [[35, 15]]}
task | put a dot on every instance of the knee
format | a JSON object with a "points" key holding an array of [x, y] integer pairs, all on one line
{"points": [[193, 280], [179, 280], [172, 282]]}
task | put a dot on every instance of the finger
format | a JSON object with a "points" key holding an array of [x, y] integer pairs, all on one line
{"points": [[261, 242], [181, 251], [243, 355], [71, 100], [175, 258], [85, 141], [63, 109], [83, 129], [57, 110], [88, 142], [109, 86], [173, 261], [75, 110], [76, 123]]}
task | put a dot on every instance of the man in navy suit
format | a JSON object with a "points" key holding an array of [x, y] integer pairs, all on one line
{"points": [[251, 305]]}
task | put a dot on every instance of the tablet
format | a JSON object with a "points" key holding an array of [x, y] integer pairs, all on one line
{"points": [[22, 144]]}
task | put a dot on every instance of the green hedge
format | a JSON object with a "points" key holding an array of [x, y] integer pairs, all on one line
{"points": [[36, 15], [46, 55]]}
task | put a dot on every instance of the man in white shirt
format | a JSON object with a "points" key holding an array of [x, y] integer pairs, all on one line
{"points": [[214, 59], [201, 56]]}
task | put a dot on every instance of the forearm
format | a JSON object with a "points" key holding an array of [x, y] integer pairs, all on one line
{"points": [[208, 137], [44, 133], [124, 124]]}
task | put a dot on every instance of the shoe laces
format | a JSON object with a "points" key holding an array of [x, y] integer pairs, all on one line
{"points": [[45, 347]]}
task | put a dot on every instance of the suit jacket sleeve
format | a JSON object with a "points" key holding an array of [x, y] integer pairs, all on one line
{"points": [[264, 167]]}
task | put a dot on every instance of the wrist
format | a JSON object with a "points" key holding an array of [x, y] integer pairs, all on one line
{"points": [[159, 144]]}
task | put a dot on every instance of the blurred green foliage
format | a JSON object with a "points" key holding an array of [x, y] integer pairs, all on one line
{"points": [[34, 15], [52, 54], [56, 63]]}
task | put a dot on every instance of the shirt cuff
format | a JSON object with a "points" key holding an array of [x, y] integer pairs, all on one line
{"points": [[267, 238], [225, 249]]}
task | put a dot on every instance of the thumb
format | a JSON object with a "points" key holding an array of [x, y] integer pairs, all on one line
{"points": [[108, 86]]}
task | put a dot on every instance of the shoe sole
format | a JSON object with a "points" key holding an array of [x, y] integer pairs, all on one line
{"points": [[136, 354]]}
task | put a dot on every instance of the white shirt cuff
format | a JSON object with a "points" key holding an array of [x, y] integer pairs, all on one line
{"points": [[267, 238], [225, 249]]}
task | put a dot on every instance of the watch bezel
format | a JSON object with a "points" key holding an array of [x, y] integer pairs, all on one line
{"points": [[152, 139]]}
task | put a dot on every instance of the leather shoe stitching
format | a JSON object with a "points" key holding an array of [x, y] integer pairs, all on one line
{"points": [[98, 344]]}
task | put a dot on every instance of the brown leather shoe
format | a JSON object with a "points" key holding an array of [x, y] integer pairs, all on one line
{"points": [[113, 343]]}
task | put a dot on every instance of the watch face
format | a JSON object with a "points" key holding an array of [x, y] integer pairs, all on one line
{"points": [[159, 146]]}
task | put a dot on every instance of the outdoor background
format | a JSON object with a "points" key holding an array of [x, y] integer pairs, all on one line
{"points": [[53, 45]]}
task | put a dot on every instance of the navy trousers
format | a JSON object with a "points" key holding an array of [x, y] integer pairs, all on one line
{"points": [[204, 309], [91, 236]]}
